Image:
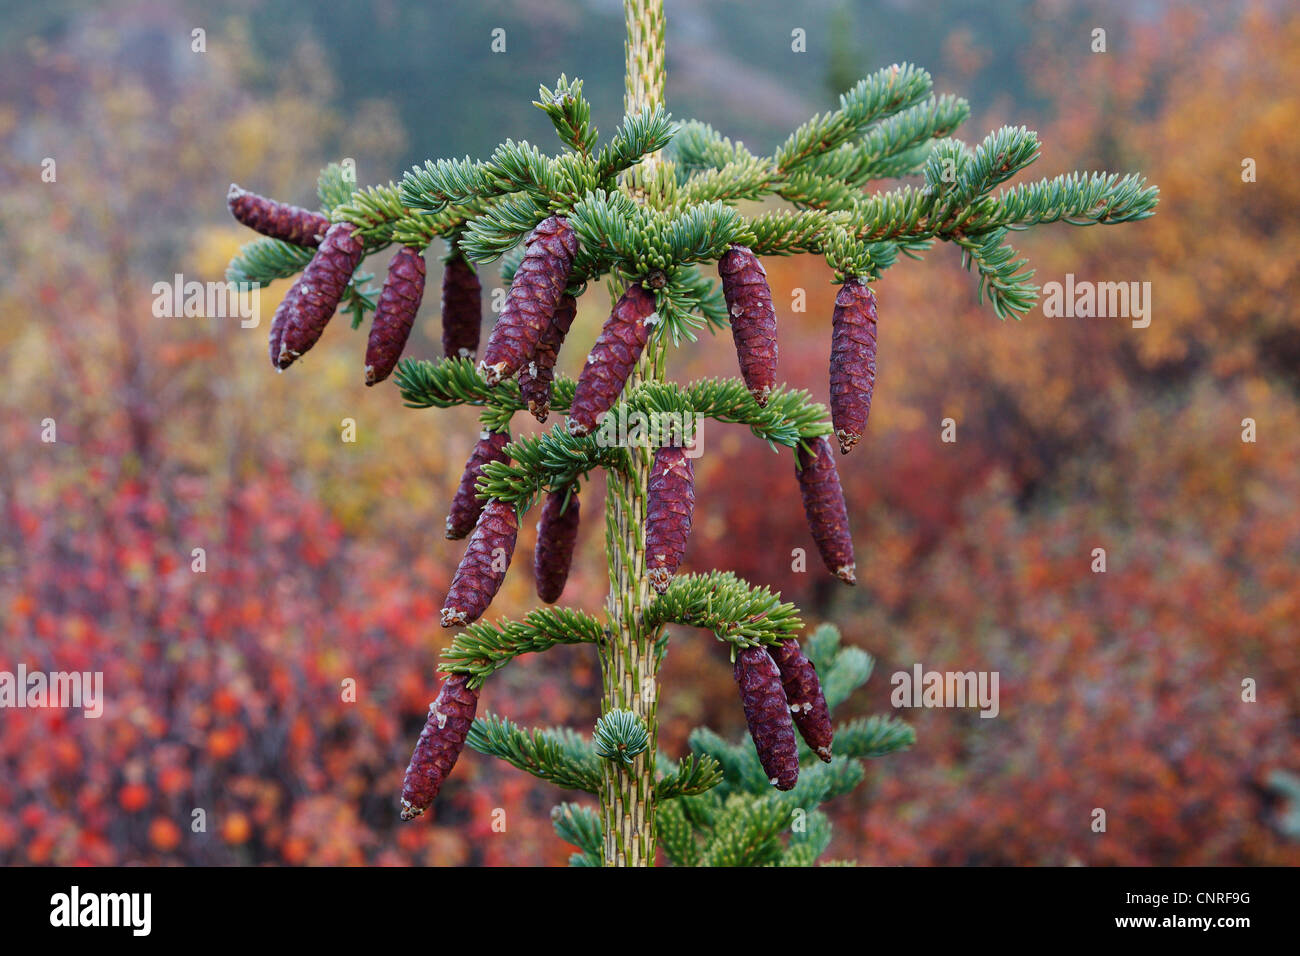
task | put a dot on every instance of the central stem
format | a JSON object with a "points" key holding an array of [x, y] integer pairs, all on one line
{"points": [[629, 661]]}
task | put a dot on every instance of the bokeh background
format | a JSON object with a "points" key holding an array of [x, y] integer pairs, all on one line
{"points": [[326, 561]]}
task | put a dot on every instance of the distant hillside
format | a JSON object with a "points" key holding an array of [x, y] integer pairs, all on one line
{"points": [[730, 62]]}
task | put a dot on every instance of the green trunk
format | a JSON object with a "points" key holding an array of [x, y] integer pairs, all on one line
{"points": [[628, 659]]}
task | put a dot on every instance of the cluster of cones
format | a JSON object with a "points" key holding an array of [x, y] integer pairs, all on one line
{"points": [[779, 689]]}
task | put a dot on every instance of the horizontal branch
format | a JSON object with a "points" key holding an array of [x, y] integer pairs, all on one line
{"points": [[263, 260], [725, 604], [483, 648], [873, 736], [696, 774], [455, 381], [546, 462], [559, 755], [789, 417]]}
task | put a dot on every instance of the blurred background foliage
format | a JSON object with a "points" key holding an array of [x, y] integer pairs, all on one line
{"points": [[326, 561]]}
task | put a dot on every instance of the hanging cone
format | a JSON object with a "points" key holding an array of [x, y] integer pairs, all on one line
{"points": [[483, 568], [277, 219], [753, 319], [395, 313], [534, 296], [319, 290], [803, 692], [279, 321], [670, 503], [466, 505], [612, 359], [823, 504], [768, 716], [853, 361], [462, 309], [556, 536], [536, 377], [440, 744]]}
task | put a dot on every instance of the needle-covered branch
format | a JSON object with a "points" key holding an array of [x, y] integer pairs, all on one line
{"points": [[788, 417], [555, 458], [456, 381], [262, 261], [873, 736], [886, 150], [725, 604], [550, 461], [558, 755], [615, 230], [483, 648], [1003, 273], [693, 775], [570, 114], [381, 216], [914, 214], [882, 94], [639, 135], [580, 827]]}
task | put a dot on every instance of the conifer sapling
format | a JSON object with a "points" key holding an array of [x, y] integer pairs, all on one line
{"points": [[647, 210]]}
